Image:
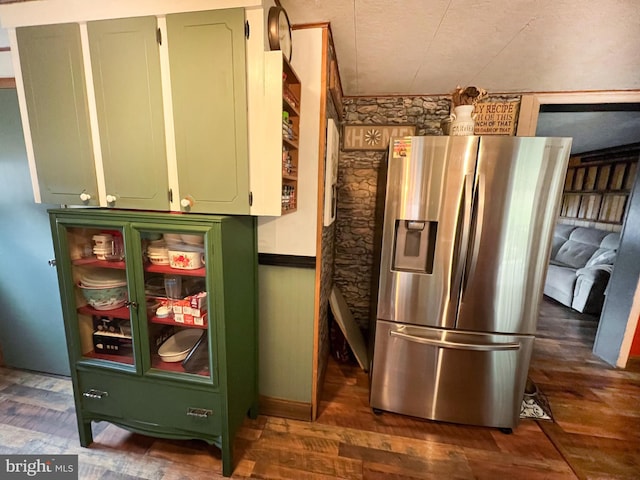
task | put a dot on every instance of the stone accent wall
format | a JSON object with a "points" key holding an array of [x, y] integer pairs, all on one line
{"points": [[423, 112], [358, 176]]}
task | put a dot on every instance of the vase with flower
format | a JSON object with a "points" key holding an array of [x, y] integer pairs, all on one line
{"points": [[463, 101]]}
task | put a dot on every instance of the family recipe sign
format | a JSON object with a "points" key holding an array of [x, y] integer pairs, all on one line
{"points": [[495, 118]]}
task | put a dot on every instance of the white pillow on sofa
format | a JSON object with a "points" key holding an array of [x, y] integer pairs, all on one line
{"points": [[602, 257]]}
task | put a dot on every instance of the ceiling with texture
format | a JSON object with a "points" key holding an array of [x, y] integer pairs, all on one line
{"points": [[428, 47], [418, 47]]}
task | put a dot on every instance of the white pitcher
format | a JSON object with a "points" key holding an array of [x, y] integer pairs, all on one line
{"points": [[463, 122]]}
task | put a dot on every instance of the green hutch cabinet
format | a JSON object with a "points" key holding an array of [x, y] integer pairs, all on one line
{"points": [[160, 315], [54, 78]]}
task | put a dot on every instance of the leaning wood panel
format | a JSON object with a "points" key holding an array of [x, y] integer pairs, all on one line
{"points": [[631, 176], [590, 180], [603, 177], [568, 182], [578, 181], [618, 176]]}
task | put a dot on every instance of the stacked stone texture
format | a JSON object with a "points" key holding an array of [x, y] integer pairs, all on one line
{"points": [[358, 177]]}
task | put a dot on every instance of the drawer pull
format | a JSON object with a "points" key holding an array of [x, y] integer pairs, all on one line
{"points": [[199, 412], [97, 394]]}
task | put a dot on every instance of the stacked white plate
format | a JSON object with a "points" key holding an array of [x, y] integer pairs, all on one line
{"points": [[177, 241], [100, 278], [103, 245], [158, 253], [197, 240]]}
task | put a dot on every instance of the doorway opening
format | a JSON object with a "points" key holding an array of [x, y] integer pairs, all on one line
{"points": [[593, 119]]}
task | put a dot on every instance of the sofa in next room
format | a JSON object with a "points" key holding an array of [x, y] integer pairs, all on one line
{"points": [[581, 264]]}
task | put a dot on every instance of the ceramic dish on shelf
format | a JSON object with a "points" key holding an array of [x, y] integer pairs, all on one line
{"points": [[159, 259], [172, 238], [197, 240], [102, 298], [185, 260], [176, 347], [103, 278]]}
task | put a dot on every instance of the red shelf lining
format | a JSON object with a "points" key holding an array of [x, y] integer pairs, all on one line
{"points": [[171, 321], [156, 362], [197, 272], [148, 267], [122, 312], [127, 359]]}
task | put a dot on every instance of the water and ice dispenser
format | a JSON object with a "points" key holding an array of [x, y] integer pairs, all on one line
{"points": [[415, 245]]}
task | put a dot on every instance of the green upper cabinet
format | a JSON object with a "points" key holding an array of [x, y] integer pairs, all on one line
{"points": [[148, 112], [125, 63], [208, 87], [54, 83]]}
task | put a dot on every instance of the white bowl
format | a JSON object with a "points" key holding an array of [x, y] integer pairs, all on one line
{"points": [[102, 298], [193, 239], [159, 260], [186, 260], [172, 237], [177, 347]]}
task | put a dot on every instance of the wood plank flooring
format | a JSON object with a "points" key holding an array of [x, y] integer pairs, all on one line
{"points": [[596, 433]]}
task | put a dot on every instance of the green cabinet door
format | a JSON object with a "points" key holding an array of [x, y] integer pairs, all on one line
{"points": [[208, 85], [54, 83], [125, 63]]}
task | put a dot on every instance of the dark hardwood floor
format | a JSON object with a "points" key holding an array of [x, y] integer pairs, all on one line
{"points": [[595, 435]]}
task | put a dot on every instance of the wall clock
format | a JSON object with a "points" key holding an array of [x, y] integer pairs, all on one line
{"points": [[279, 31]]}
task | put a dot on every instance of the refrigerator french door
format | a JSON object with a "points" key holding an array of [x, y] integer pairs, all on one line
{"points": [[467, 227]]}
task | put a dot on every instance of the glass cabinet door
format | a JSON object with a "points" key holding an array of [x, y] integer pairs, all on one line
{"points": [[101, 293], [177, 317]]}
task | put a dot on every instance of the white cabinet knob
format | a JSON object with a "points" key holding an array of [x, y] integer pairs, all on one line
{"points": [[111, 198], [186, 202], [85, 197]]}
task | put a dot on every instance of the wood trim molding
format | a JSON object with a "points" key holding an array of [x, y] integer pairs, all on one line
{"points": [[527, 125], [630, 330], [316, 387], [530, 104], [7, 83], [277, 407], [301, 26]]}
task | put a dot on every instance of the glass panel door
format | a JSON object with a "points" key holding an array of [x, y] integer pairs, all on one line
{"points": [[98, 267], [177, 317]]}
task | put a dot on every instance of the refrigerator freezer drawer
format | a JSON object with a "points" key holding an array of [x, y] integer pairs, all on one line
{"points": [[453, 376]]}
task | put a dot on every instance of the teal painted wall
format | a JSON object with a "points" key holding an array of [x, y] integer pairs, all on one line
{"points": [[31, 327]]}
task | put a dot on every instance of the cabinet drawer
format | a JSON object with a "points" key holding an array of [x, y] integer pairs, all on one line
{"points": [[153, 405]]}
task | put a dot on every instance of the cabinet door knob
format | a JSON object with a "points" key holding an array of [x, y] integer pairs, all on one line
{"points": [[186, 202], [85, 197], [131, 304], [96, 394], [111, 198]]}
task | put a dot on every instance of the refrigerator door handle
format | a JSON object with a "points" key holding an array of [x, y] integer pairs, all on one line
{"points": [[477, 347], [462, 238], [475, 231]]}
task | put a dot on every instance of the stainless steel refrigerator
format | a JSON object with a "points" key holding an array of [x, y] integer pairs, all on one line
{"points": [[465, 245]]}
